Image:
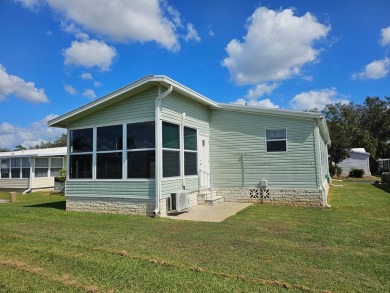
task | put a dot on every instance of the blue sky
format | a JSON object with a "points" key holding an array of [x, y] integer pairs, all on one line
{"points": [[57, 55]]}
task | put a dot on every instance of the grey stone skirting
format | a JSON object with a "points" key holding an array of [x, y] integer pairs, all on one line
{"points": [[132, 206], [291, 197]]}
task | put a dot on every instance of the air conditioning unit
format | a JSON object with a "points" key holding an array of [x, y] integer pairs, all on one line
{"points": [[179, 201]]}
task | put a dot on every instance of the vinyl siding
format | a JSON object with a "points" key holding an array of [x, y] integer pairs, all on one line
{"points": [[13, 183], [139, 107], [234, 133], [126, 189], [45, 182], [174, 185], [197, 115]]}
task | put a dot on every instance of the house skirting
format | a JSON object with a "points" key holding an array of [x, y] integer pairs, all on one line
{"points": [[276, 196], [131, 206]]}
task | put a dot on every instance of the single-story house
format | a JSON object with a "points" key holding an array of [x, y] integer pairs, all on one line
{"points": [[29, 170], [358, 159], [157, 145]]}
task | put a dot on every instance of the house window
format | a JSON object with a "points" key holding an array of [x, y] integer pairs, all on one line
{"points": [[171, 149], [190, 151], [56, 165], [109, 152], [5, 168], [25, 168], [276, 140], [15, 168], [42, 167], [141, 150], [80, 159]]}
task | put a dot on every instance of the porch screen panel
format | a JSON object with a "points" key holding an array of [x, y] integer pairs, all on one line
{"points": [[171, 149], [80, 159], [41, 167], [15, 168], [5, 168], [190, 151]]}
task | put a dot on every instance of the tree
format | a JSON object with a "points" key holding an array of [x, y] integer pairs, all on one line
{"points": [[19, 147], [54, 143], [351, 125], [4, 150]]}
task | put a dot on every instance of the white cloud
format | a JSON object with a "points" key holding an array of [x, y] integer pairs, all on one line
{"points": [[266, 103], [70, 89], [97, 84], [14, 85], [316, 99], [192, 34], [275, 47], [261, 90], [86, 75], [385, 36], [11, 136], [123, 20], [374, 70], [90, 53], [89, 94]]}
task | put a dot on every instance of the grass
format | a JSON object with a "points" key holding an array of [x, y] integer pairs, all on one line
{"points": [[264, 248]]}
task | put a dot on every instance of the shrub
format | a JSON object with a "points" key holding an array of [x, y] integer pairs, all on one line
{"points": [[334, 170], [356, 173]]}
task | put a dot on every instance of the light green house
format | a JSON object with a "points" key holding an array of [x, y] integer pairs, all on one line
{"points": [[156, 145]]}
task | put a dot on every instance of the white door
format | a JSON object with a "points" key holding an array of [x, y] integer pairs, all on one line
{"points": [[204, 161]]}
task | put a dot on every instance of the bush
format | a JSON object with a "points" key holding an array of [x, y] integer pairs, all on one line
{"points": [[334, 170], [356, 173]]}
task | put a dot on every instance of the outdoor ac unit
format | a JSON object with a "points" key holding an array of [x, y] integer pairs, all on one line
{"points": [[179, 201]]}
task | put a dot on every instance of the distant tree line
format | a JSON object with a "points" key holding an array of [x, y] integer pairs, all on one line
{"points": [[359, 126], [53, 143]]}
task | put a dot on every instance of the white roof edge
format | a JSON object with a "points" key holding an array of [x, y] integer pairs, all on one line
{"points": [[61, 151], [359, 150], [300, 114], [137, 83]]}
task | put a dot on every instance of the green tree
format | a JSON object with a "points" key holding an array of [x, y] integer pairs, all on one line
{"points": [[19, 147], [4, 150], [54, 143]]}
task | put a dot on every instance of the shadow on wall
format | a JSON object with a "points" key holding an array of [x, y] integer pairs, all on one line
{"points": [[59, 205]]}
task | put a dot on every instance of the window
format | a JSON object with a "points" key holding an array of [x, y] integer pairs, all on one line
{"points": [[4, 168], [15, 168], [171, 149], [42, 167], [80, 166], [109, 152], [56, 165], [276, 140], [80, 159], [190, 151], [25, 168], [141, 150]]}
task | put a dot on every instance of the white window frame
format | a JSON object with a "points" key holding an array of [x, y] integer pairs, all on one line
{"points": [[279, 139]]}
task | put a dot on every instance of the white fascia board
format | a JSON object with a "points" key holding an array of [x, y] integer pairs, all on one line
{"points": [[35, 153]]}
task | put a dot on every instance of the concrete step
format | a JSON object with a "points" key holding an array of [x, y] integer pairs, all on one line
{"points": [[209, 198], [214, 201]]}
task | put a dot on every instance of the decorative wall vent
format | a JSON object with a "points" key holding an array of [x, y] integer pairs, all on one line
{"points": [[254, 193], [264, 193]]}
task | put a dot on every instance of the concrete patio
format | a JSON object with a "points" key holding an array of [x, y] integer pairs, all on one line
{"points": [[206, 213]]}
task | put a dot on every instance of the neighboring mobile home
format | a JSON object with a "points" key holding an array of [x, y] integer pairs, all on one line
{"points": [[358, 159], [30, 170], [155, 144]]}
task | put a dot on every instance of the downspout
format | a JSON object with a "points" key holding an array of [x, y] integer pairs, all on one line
{"points": [[158, 143], [183, 179]]}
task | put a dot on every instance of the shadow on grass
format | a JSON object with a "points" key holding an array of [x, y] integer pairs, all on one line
{"points": [[59, 205], [384, 187]]}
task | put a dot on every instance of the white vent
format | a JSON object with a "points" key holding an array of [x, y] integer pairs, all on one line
{"points": [[263, 183], [179, 201]]}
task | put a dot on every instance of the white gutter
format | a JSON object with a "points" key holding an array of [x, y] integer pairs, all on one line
{"points": [[158, 143]]}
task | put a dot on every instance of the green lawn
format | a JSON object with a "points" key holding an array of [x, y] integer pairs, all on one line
{"points": [[264, 248]]}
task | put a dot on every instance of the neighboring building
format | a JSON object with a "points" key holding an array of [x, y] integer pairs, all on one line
{"points": [[359, 159], [383, 165], [30, 170], [133, 150]]}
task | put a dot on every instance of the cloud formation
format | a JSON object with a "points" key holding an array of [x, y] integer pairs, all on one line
{"points": [[86, 75], [192, 34], [11, 135], [14, 85], [275, 48], [120, 20], [266, 103], [90, 53], [374, 70], [70, 89], [316, 99], [89, 94], [385, 36]]}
